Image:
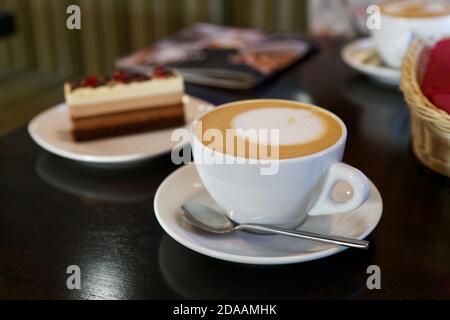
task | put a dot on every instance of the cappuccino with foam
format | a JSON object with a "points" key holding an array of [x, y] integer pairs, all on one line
{"points": [[281, 190], [415, 9], [268, 129]]}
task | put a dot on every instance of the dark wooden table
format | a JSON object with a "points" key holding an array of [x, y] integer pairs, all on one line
{"points": [[55, 213]]}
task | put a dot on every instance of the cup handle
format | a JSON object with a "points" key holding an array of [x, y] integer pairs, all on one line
{"points": [[357, 180]]}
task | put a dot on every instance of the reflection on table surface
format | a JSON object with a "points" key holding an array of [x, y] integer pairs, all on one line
{"points": [[94, 183], [191, 275]]}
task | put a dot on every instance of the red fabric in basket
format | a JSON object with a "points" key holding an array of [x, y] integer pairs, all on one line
{"points": [[436, 81]]}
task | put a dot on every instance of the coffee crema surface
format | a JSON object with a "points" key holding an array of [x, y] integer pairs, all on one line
{"points": [[301, 129], [415, 9]]}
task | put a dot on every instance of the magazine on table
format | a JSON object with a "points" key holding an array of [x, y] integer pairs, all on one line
{"points": [[220, 56]]}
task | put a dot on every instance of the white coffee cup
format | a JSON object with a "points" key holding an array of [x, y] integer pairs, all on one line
{"points": [[302, 186], [396, 31]]}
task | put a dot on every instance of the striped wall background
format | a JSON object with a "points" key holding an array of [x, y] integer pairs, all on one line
{"points": [[112, 28], [36, 60]]}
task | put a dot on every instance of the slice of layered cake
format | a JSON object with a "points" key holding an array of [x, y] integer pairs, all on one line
{"points": [[124, 103]]}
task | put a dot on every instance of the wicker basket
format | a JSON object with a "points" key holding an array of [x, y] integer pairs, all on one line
{"points": [[430, 126]]}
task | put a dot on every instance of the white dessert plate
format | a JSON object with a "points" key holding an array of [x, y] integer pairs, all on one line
{"points": [[362, 56], [185, 185], [51, 130]]}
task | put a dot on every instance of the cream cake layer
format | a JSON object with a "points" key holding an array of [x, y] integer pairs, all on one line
{"points": [[123, 91], [117, 106]]}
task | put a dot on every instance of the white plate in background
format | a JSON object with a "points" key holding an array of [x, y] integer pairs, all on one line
{"points": [[51, 130], [361, 55]]}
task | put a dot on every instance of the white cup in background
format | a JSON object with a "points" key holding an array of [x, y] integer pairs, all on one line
{"points": [[397, 30]]}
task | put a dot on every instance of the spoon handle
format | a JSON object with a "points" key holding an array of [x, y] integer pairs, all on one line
{"points": [[354, 243]]}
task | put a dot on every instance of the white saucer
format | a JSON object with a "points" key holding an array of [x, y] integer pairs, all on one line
{"points": [[362, 56], [185, 185], [51, 130]]}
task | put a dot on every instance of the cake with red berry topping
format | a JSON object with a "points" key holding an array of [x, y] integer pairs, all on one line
{"points": [[124, 103]]}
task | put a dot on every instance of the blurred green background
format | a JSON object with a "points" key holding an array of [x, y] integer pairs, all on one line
{"points": [[42, 53]]}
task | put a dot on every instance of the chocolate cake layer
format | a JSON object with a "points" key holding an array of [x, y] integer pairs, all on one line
{"points": [[127, 122]]}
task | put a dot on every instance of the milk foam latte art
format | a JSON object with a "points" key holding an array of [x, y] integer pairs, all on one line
{"points": [[274, 129]]}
